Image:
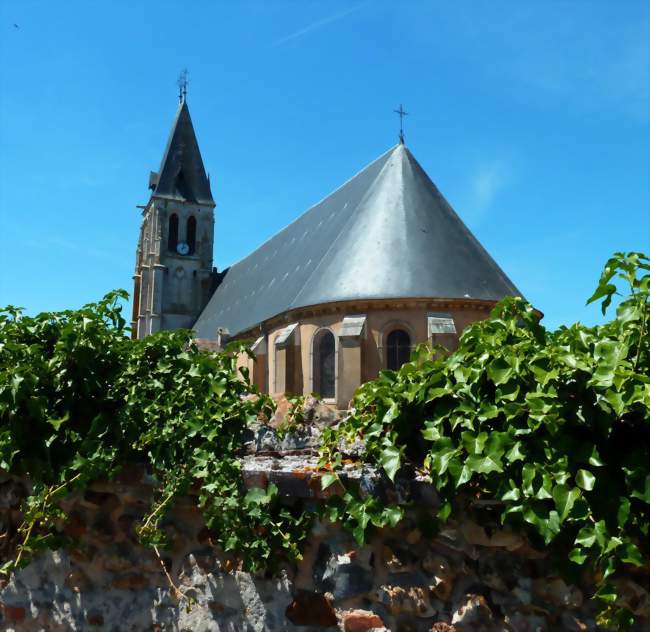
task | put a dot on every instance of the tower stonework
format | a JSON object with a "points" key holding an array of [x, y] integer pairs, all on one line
{"points": [[173, 272]]}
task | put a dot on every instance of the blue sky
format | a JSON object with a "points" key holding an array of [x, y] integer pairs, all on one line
{"points": [[532, 118]]}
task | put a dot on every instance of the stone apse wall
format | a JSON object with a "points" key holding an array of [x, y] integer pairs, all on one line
{"points": [[468, 577]]}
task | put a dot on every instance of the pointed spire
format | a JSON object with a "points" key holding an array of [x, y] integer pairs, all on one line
{"points": [[181, 175]]}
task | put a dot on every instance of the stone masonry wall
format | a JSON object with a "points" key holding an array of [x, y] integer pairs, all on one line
{"points": [[468, 577], [463, 579]]}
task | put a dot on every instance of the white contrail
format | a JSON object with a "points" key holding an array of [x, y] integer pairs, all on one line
{"points": [[318, 24]]}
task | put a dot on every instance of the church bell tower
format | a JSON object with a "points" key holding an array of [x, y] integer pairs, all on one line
{"points": [[173, 270]]}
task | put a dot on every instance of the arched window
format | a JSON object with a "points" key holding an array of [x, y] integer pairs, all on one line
{"points": [[191, 233], [324, 364], [398, 349], [172, 234]]}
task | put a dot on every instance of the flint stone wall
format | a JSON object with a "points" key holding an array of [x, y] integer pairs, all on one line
{"points": [[468, 577]]}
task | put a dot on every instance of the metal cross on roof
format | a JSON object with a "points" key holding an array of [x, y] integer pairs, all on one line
{"points": [[402, 113], [182, 85]]}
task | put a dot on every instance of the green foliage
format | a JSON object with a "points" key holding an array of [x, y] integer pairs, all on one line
{"points": [[193, 408], [553, 426], [79, 400], [357, 513]]}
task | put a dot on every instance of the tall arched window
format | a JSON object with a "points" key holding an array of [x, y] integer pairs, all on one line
{"points": [[191, 233], [172, 233], [398, 349], [324, 364]]}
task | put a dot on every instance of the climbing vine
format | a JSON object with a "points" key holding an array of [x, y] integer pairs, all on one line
{"points": [[79, 401], [547, 431], [551, 428]]}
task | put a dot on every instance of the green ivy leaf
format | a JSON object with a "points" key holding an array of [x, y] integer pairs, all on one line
{"points": [[392, 515], [512, 494], [547, 522], [194, 371], [444, 511], [259, 496], [328, 479], [57, 423], [564, 498], [594, 458], [218, 387], [630, 554], [359, 534], [474, 444], [515, 453], [623, 512], [585, 479], [642, 490], [578, 556], [499, 371], [390, 460], [528, 473], [586, 537], [611, 352], [485, 464], [431, 432], [546, 488]]}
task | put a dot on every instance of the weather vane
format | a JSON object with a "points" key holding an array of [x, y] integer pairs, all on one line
{"points": [[182, 85], [402, 113]]}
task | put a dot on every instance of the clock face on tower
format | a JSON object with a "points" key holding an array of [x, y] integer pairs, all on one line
{"points": [[182, 248]]}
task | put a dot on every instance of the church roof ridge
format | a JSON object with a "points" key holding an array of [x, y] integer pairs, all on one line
{"points": [[385, 233]]}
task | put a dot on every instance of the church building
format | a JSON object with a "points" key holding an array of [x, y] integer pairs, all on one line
{"points": [[347, 289]]}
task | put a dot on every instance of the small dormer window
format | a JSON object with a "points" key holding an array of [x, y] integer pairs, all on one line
{"points": [[172, 234], [191, 234]]}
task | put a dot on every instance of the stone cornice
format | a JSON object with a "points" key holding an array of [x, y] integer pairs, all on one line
{"points": [[365, 306]]}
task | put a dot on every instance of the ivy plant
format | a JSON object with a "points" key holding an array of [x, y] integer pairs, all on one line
{"points": [[551, 427], [79, 400]]}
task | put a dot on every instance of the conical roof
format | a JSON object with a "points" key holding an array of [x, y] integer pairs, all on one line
{"points": [[181, 175], [386, 233]]}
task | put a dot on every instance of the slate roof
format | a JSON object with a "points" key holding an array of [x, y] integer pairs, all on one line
{"points": [[386, 233], [181, 175]]}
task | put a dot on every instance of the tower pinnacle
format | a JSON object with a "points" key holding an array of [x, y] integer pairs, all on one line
{"points": [[182, 85], [402, 113]]}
